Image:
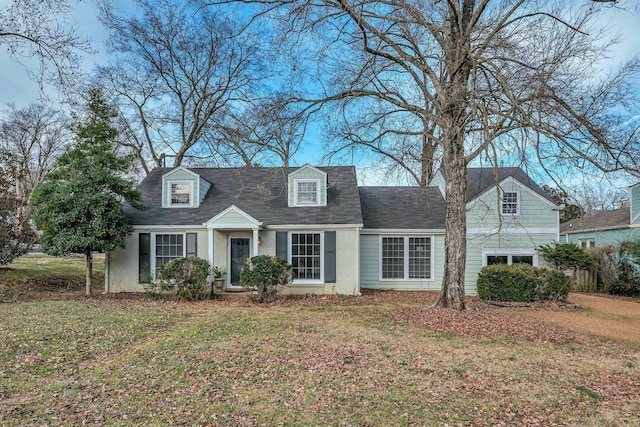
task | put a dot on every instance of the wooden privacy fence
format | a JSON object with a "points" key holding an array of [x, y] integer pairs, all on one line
{"points": [[586, 281]]}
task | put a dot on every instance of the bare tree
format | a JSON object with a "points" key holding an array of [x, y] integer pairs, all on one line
{"points": [[31, 138], [495, 77], [179, 71], [39, 29]]}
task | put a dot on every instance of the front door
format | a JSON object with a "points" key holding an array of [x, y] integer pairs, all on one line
{"points": [[239, 252]]}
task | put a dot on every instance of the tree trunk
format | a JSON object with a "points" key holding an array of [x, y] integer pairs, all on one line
{"points": [[455, 100], [88, 272], [455, 243]]}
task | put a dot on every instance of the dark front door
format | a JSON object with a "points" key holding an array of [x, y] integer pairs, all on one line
{"points": [[239, 254]]}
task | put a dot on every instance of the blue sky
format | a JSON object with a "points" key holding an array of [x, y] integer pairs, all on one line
{"points": [[16, 88]]}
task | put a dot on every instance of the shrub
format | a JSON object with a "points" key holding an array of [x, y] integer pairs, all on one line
{"points": [[555, 285], [187, 277], [501, 282], [567, 256], [625, 289], [265, 275], [522, 283]]}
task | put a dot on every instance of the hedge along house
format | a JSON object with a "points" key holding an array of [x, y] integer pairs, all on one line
{"points": [[309, 216], [338, 237]]}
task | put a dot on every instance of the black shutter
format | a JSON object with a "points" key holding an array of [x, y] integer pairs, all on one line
{"points": [[281, 244], [330, 257], [192, 245], [144, 258]]}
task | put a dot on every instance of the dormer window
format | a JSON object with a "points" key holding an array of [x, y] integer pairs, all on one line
{"points": [[181, 193], [510, 203], [307, 192]]}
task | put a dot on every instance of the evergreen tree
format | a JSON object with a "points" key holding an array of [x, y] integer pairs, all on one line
{"points": [[80, 204]]}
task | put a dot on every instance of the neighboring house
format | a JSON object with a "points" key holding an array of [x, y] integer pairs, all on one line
{"points": [[339, 237], [605, 227]]}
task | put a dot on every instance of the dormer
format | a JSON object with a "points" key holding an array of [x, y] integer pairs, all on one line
{"points": [[182, 188], [307, 186]]}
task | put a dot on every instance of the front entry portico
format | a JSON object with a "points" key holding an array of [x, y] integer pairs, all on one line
{"points": [[241, 232]]}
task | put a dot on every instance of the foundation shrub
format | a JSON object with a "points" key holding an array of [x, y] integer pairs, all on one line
{"points": [[522, 283], [265, 276], [187, 277], [501, 282]]}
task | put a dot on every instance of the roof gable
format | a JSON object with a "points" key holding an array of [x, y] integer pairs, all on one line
{"points": [[259, 192], [233, 217]]}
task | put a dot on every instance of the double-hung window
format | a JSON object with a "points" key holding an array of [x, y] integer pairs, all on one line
{"points": [[406, 257], [306, 259], [168, 247], [180, 194], [510, 203], [307, 192]]}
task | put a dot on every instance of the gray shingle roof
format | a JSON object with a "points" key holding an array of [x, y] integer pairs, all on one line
{"points": [[479, 180], [402, 208], [260, 192], [617, 218]]}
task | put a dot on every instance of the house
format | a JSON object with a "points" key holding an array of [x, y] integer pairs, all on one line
{"points": [[609, 227], [309, 216], [338, 237]]}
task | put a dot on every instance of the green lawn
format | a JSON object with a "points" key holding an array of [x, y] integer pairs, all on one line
{"points": [[104, 361], [41, 276]]}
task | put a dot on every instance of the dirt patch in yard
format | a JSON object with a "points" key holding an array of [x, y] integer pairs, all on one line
{"points": [[600, 315], [592, 314]]}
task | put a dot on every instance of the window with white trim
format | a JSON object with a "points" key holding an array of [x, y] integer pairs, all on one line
{"points": [[306, 256], [180, 193], [587, 243], [406, 257], [510, 203], [307, 192], [508, 259], [168, 247]]}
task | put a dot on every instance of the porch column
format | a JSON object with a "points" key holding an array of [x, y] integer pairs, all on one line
{"points": [[210, 231], [256, 236]]}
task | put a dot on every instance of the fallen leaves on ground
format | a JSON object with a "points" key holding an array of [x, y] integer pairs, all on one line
{"points": [[478, 324]]}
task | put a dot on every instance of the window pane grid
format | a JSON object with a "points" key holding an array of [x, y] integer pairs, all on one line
{"points": [[181, 194], [392, 257], [168, 247], [510, 203], [307, 192], [406, 258], [419, 258], [305, 255]]}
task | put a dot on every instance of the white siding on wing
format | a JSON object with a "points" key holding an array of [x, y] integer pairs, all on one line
{"points": [[535, 224], [370, 265], [535, 212]]}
